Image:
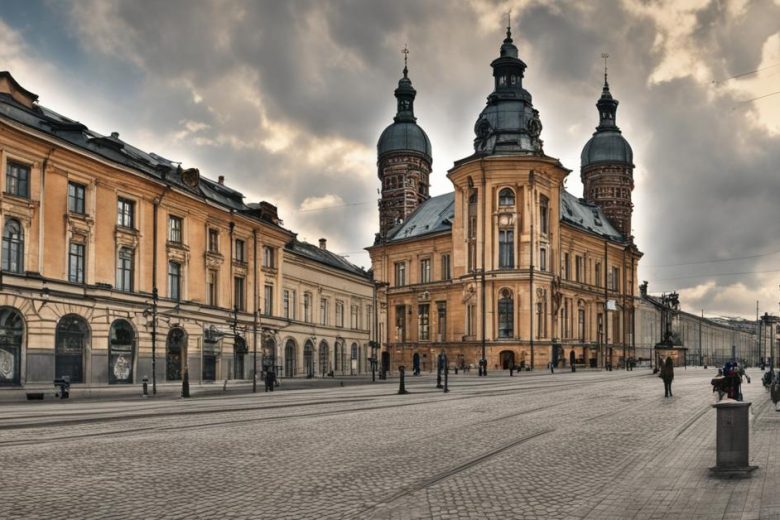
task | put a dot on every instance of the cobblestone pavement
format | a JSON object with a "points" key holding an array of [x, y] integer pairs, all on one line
{"points": [[590, 445]]}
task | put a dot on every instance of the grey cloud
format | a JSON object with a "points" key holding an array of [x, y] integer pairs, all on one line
{"points": [[705, 176]]}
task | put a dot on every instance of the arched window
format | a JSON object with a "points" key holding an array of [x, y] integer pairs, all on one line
{"points": [[11, 337], [121, 342], [506, 197], [355, 359], [289, 358], [324, 358], [71, 337], [13, 246], [505, 314], [308, 359]]}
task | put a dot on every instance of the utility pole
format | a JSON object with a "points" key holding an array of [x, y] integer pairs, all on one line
{"points": [[701, 322]]}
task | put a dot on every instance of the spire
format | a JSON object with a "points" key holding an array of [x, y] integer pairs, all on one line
{"points": [[606, 104], [508, 38], [405, 93]]}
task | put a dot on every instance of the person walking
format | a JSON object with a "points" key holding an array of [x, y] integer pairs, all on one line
{"points": [[667, 374], [270, 380]]}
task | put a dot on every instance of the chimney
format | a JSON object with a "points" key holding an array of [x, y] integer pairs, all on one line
{"points": [[323, 243], [115, 135], [221, 179]]}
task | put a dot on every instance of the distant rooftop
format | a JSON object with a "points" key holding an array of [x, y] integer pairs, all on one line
{"points": [[323, 256]]}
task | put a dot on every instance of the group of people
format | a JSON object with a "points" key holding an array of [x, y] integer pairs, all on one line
{"points": [[728, 382]]}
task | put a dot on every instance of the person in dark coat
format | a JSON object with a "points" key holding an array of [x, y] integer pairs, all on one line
{"points": [[667, 374], [270, 379]]}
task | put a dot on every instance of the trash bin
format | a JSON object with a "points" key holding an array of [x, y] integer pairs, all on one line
{"points": [[732, 440]]}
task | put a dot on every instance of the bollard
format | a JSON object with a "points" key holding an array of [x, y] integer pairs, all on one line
{"points": [[732, 440], [185, 384], [145, 381], [401, 385], [511, 369], [446, 371]]}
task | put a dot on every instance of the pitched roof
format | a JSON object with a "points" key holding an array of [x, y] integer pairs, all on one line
{"points": [[587, 216], [324, 256], [122, 153], [432, 216], [436, 215]]}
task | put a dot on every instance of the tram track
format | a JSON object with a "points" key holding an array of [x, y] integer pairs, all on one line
{"points": [[447, 473], [248, 409]]}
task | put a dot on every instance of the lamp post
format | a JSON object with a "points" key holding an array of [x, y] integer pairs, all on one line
{"points": [[154, 341]]}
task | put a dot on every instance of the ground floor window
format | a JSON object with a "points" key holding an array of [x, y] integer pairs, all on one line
{"points": [[11, 339], [289, 359], [71, 337], [121, 343], [175, 350], [324, 364]]}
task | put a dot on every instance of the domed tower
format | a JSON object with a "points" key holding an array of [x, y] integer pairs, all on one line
{"points": [[404, 160], [509, 124], [607, 168]]}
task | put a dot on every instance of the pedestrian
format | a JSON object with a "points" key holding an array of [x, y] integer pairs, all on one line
{"points": [[270, 380], [552, 367], [667, 374]]}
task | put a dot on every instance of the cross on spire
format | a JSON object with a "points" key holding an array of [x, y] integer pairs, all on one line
{"points": [[604, 56], [405, 52], [509, 24]]}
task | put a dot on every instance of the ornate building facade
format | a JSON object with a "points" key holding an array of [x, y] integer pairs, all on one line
{"points": [[115, 261], [509, 267]]}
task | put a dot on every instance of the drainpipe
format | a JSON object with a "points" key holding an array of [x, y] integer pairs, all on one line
{"points": [[256, 296], [156, 205], [484, 219], [605, 323]]}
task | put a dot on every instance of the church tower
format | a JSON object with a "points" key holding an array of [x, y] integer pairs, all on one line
{"points": [[607, 168], [404, 161]]}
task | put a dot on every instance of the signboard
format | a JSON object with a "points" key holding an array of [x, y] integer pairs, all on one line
{"points": [[611, 305]]}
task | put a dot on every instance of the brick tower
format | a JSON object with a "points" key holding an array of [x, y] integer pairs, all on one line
{"points": [[404, 161], [607, 169]]}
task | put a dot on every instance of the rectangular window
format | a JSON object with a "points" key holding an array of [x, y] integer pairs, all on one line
{"points": [[600, 326], [441, 322], [174, 229], [124, 269], [339, 313], [446, 274], [17, 179], [239, 299], [424, 321], [174, 280], [506, 248], [400, 274], [323, 311], [542, 259], [268, 300], [578, 268], [76, 263], [354, 317], [76, 198], [581, 324], [598, 274], [213, 284], [268, 257], [472, 256], [240, 250], [425, 270], [615, 281], [289, 311], [307, 307], [213, 240], [544, 211], [370, 319], [566, 267], [125, 213], [400, 322]]}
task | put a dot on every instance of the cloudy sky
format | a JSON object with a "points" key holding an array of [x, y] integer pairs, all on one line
{"points": [[286, 99]]}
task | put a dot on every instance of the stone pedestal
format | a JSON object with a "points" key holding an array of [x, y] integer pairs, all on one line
{"points": [[732, 440]]}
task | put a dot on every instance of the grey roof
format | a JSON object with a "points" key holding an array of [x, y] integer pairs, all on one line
{"points": [[436, 215], [432, 216], [324, 256], [587, 216], [122, 153], [607, 147], [404, 135]]}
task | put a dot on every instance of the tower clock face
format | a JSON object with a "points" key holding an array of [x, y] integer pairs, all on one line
{"points": [[190, 178]]}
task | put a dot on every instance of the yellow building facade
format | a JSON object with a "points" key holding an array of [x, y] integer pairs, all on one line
{"points": [[115, 260], [509, 267]]}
